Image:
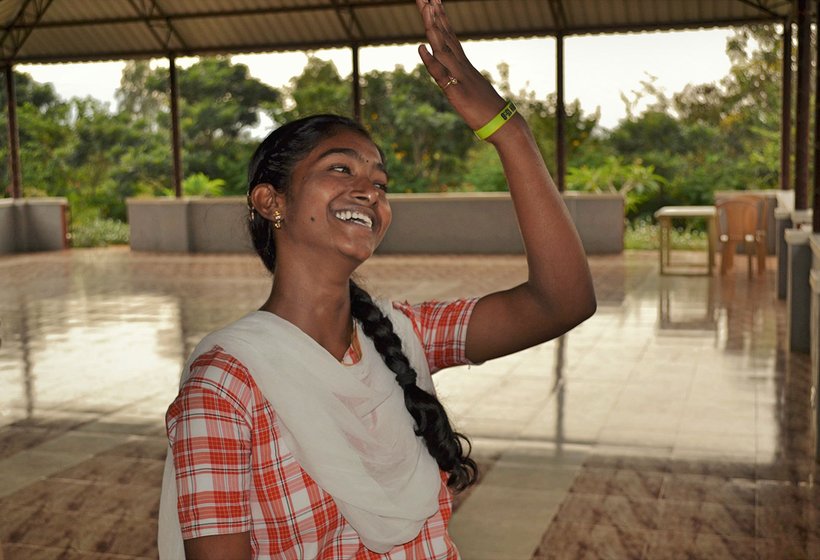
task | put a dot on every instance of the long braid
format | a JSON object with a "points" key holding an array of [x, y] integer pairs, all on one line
{"points": [[432, 423]]}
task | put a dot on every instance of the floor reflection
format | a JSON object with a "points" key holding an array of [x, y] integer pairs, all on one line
{"points": [[558, 389], [674, 423], [687, 304]]}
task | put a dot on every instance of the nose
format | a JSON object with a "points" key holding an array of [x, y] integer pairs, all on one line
{"points": [[365, 193]]}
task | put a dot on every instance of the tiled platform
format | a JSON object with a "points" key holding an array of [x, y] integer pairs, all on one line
{"points": [[673, 424]]}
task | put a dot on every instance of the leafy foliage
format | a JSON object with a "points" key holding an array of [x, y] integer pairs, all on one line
{"points": [[680, 149], [318, 89], [99, 233], [425, 141], [200, 184], [634, 181]]}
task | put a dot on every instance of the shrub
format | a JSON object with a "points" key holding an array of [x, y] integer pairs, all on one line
{"points": [[643, 235], [98, 232]]}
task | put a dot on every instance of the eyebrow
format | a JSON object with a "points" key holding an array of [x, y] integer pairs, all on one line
{"points": [[354, 154]]}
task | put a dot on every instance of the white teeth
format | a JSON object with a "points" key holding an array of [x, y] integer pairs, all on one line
{"points": [[356, 217]]}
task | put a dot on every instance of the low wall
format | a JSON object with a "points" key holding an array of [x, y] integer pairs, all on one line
{"points": [[188, 225], [814, 343], [599, 219], [230, 236], [33, 224], [798, 290], [477, 223]]}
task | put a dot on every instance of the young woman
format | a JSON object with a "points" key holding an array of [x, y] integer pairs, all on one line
{"points": [[310, 428]]}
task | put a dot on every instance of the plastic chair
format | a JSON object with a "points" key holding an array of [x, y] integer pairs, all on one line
{"points": [[742, 221]]}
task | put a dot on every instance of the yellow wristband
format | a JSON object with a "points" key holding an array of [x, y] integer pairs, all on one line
{"points": [[497, 121]]}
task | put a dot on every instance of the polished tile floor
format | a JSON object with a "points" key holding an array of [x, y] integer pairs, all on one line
{"points": [[673, 424]]}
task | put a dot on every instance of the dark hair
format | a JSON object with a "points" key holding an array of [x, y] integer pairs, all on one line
{"points": [[273, 163]]}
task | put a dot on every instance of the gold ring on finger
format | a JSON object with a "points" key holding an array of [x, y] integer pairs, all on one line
{"points": [[451, 82]]}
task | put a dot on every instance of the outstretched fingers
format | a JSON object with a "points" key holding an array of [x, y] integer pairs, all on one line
{"points": [[451, 42], [471, 95], [437, 70], [445, 46]]}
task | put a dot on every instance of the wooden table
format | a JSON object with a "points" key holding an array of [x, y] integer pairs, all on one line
{"points": [[665, 216]]}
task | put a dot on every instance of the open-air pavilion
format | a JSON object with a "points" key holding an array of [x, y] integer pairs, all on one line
{"points": [[675, 422]]}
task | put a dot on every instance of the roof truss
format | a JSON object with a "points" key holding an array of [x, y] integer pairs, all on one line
{"points": [[69, 30]]}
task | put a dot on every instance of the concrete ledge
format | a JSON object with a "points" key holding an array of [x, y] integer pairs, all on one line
{"points": [[783, 222], [599, 219], [814, 244], [802, 217], [465, 223], [33, 224], [452, 223], [8, 235], [798, 296], [219, 225], [159, 224], [189, 225], [814, 329]]}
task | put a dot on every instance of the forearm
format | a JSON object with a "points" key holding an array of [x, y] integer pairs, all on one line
{"points": [[559, 275]]}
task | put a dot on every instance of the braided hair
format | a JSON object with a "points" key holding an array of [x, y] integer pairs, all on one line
{"points": [[273, 163]]}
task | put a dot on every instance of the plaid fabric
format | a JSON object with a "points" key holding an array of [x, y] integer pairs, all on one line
{"points": [[234, 473], [442, 329]]}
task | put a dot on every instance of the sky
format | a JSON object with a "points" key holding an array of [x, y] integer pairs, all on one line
{"points": [[598, 68]]}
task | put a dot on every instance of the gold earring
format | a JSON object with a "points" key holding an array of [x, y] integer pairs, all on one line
{"points": [[251, 210], [277, 219]]}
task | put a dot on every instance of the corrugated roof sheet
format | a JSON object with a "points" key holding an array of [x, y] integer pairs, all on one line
{"points": [[66, 30]]}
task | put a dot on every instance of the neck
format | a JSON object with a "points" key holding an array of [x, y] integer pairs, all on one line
{"points": [[319, 305]]}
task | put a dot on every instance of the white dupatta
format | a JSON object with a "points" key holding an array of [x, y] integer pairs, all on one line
{"points": [[346, 426]]}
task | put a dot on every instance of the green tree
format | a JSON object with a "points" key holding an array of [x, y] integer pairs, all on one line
{"points": [[142, 92], [426, 142], [114, 156], [200, 185], [44, 129], [708, 137], [635, 181], [483, 170], [318, 89], [219, 103]]}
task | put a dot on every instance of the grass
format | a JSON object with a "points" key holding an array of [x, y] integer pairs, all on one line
{"points": [[642, 235], [99, 233]]}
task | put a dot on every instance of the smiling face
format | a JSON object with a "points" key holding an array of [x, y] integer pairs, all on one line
{"points": [[336, 203]]}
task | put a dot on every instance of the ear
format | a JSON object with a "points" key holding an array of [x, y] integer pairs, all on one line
{"points": [[265, 199]]}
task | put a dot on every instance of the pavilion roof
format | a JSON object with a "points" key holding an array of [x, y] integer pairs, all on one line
{"points": [[89, 30]]}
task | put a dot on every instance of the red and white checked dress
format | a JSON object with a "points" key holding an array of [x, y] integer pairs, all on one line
{"points": [[234, 475]]}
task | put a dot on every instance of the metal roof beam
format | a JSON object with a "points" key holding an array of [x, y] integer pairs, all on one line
{"points": [[157, 24], [764, 6], [15, 36], [350, 4], [372, 41], [766, 14], [347, 17], [558, 13]]}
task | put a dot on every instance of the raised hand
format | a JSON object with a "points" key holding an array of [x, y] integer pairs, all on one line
{"points": [[558, 293], [470, 94]]}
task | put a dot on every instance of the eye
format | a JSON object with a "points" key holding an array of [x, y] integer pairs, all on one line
{"points": [[340, 168], [380, 186]]}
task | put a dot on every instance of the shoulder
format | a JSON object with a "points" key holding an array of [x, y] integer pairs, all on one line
{"points": [[216, 367], [222, 359], [222, 374]]}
